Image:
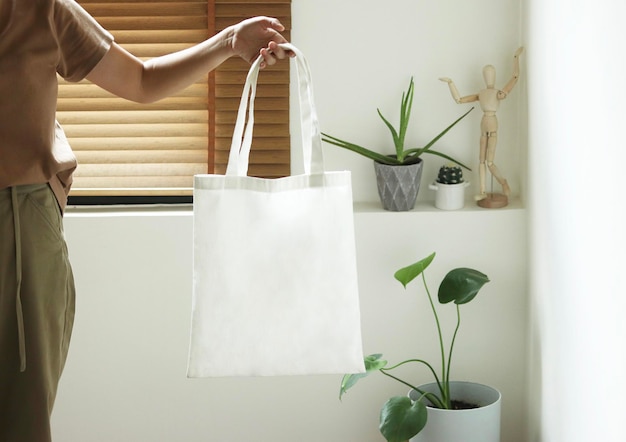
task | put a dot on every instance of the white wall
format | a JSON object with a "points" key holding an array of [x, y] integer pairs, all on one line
{"points": [[576, 99], [125, 376], [363, 54]]}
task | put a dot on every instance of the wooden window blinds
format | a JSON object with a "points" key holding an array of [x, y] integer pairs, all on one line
{"points": [[130, 149]]}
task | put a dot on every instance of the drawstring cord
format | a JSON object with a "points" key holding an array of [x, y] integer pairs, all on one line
{"points": [[18, 276]]}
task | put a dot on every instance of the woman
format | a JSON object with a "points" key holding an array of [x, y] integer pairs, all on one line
{"points": [[38, 39]]}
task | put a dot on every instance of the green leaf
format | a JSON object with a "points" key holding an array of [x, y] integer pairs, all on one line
{"points": [[461, 285], [394, 133], [409, 273], [447, 157], [442, 133], [405, 115], [401, 419], [372, 363], [385, 159]]}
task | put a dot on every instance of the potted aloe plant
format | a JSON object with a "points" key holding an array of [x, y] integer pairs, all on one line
{"points": [[445, 410], [398, 175]]}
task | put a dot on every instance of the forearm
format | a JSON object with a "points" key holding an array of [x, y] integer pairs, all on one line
{"points": [[511, 84], [126, 76], [457, 96], [168, 74], [454, 92]]}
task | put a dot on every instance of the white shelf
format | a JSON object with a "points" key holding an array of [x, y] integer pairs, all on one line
{"points": [[429, 207]]}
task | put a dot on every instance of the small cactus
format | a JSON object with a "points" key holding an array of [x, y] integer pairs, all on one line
{"points": [[450, 175]]}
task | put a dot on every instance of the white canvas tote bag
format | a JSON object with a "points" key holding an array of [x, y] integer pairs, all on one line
{"points": [[275, 279]]}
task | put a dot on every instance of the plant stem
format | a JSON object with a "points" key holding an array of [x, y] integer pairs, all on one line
{"points": [[446, 388], [458, 325], [383, 371], [432, 370], [431, 397]]}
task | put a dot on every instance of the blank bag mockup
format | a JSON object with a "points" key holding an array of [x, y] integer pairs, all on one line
{"points": [[275, 279]]}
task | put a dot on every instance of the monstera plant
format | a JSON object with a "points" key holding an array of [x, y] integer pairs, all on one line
{"points": [[401, 418]]}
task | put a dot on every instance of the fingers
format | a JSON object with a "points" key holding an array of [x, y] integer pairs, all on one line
{"points": [[268, 58], [278, 51], [276, 24], [272, 53]]}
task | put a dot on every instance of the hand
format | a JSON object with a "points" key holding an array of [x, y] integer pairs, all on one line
{"points": [[259, 35]]}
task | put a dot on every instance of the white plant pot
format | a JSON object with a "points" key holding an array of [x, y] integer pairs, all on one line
{"points": [[474, 425], [449, 196]]}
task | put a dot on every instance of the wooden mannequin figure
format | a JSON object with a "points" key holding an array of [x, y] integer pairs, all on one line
{"points": [[489, 99]]}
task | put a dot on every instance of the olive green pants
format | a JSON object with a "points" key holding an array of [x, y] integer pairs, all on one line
{"points": [[36, 310]]}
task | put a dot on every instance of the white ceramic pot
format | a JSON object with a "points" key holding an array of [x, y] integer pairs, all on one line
{"points": [[449, 196], [474, 425]]}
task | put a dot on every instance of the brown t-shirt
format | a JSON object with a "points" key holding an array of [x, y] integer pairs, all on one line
{"points": [[39, 38]]}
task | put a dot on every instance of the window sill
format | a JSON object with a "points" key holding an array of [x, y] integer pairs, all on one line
{"points": [[129, 210], [360, 207]]}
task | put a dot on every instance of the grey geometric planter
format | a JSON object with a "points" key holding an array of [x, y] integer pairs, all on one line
{"points": [[398, 185]]}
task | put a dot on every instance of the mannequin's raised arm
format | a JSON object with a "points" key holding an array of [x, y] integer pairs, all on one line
{"points": [[455, 92], [511, 84]]}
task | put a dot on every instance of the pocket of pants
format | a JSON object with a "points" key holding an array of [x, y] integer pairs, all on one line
{"points": [[46, 208]]}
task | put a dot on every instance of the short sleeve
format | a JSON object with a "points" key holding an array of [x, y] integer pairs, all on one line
{"points": [[82, 41]]}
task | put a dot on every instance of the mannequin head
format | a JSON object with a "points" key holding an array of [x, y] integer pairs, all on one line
{"points": [[489, 74]]}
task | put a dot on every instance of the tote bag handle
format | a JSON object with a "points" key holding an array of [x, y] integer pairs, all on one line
{"points": [[311, 135]]}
